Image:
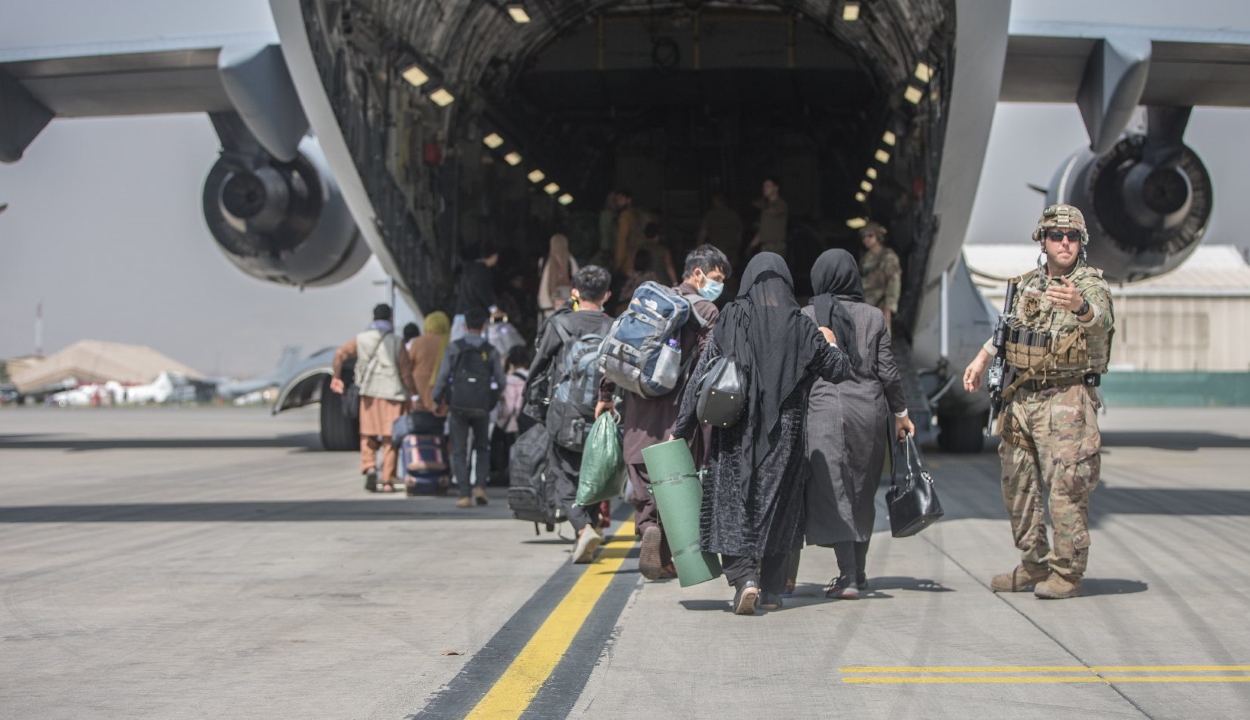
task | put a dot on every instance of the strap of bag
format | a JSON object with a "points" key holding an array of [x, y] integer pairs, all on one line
{"points": [[894, 457], [373, 359], [692, 299], [914, 461], [1010, 392]]}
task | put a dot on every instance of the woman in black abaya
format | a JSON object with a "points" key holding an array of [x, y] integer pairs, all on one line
{"points": [[753, 490], [849, 424]]}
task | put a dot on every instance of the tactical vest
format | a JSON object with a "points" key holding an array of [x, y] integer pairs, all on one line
{"points": [[377, 370], [1037, 331]]}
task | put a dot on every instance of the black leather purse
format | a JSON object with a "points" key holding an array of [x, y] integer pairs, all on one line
{"points": [[722, 394], [913, 505]]}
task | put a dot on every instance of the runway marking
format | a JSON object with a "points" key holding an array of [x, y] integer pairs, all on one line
{"points": [[1091, 674], [509, 697]]}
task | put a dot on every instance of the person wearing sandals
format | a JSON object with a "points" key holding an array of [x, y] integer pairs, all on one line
{"points": [[754, 483], [848, 424], [384, 374]]}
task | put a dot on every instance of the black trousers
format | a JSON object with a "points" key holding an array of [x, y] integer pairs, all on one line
{"points": [[769, 572], [565, 467], [462, 423], [852, 558]]}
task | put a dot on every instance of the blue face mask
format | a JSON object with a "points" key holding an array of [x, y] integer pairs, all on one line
{"points": [[711, 289]]}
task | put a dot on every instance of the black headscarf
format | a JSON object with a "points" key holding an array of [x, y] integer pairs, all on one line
{"points": [[835, 278], [766, 333]]}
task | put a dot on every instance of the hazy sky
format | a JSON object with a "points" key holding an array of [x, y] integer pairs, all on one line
{"points": [[105, 227]]}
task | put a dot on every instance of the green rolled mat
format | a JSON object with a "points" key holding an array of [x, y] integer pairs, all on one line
{"points": [[678, 493]]}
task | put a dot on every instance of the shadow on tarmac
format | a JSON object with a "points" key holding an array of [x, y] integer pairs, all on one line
{"points": [[1111, 586], [306, 441], [255, 511], [1172, 440]]}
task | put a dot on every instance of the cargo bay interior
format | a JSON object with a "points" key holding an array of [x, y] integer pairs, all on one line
{"points": [[513, 120]]}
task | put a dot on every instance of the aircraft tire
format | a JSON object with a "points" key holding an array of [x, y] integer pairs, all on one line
{"points": [[339, 433], [962, 433]]}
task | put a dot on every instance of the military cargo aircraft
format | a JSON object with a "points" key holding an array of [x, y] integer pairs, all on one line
{"points": [[401, 127]]}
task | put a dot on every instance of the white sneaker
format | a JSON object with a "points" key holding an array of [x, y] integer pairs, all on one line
{"points": [[588, 541]]}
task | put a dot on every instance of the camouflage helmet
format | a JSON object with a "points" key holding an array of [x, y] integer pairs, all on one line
{"points": [[873, 228], [1064, 217]]}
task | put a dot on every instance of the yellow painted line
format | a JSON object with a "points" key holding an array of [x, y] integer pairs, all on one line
{"points": [[518, 685], [1173, 668], [1050, 668], [1046, 679]]}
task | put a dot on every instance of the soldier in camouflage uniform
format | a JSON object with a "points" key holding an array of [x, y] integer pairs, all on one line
{"points": [[1058, 345], [880, 270]]}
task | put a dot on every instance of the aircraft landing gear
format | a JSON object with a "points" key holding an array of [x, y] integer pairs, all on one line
{"points": [[338, 432], [962, 433]]}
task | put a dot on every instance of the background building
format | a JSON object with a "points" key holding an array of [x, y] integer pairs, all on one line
{"points": [[1181, 338]]}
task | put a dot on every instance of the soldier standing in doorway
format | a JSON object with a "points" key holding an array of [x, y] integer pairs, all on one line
{"points": [[881, 271], [774, 214], [1058, 344]]}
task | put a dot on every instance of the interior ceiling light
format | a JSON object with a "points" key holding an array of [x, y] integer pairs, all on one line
{"points": [[492, 141], [551, 189], [517, 11], [856, 223], [850, 11], [513, 158], [872, 173], [442, 98], [860, 197], [913, 94], [415, 76], [882, 157], [865, 186], [924, 72], [536, 176], [889, 138], [566, 199]]}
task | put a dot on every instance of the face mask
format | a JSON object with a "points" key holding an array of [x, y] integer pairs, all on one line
{"points": [[711, 289]]}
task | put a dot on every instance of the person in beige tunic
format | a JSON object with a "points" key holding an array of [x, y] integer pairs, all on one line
{"points": [[384, 374]]}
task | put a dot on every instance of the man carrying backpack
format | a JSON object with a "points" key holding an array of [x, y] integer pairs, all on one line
{"points": [[470, 380], [569, 348], [649, 418]]}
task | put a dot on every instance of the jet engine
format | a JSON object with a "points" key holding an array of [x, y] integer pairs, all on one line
{"points": [[283, 222], [1146, 202]]}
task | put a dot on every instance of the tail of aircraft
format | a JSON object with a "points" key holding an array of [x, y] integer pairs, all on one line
{"points": [[287, 361]]}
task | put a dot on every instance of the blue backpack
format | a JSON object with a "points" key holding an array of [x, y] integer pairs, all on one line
{"points": [[642, 351]]}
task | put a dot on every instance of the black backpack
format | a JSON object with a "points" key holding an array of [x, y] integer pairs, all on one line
{"points": [[575, 391], [531, 494], [473, 384]]}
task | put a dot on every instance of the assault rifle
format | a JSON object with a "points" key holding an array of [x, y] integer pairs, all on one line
{"points": [[998, 368]]}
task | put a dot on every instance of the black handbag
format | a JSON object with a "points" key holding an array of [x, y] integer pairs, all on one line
{"points": [[722, 394], [351, 402], [913, 505]]}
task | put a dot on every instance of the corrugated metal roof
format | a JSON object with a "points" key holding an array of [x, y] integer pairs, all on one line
{"points": [[1212, 271], [95, 361]]}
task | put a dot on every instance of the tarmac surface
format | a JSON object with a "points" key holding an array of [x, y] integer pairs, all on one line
{"points": [[178, 563]]}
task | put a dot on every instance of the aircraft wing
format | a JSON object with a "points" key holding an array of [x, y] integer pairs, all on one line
{"points": [[1108, 70], [142, 77]]}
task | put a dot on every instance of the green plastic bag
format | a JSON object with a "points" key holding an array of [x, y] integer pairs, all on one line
{"points": [[603, 464]]}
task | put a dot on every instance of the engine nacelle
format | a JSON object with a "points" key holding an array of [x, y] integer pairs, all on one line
{"points": [[1146, 210], [283, 222]]}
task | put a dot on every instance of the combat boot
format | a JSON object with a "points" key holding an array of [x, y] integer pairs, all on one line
{"points": [[1058, 587], [1019, 580]]}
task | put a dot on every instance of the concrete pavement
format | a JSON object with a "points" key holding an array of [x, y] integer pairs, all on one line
{"points": [[180, 563]]}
